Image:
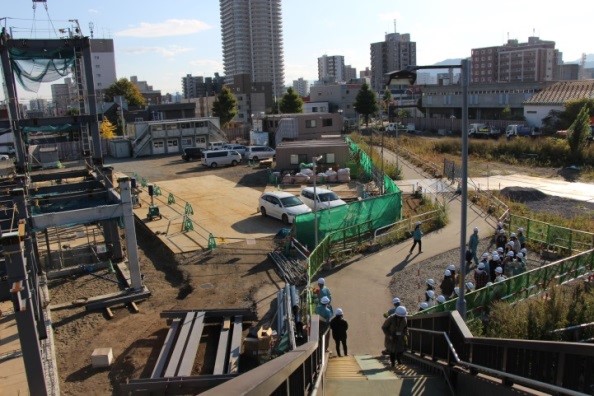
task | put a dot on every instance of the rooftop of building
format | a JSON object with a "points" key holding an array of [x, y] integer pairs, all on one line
{"points": [[563, 91]]}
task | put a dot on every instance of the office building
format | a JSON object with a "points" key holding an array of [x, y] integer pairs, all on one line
{"points": [[301, 86], [253, 41], [200, 87], [394, 53], [350, 73], [103, 64]]}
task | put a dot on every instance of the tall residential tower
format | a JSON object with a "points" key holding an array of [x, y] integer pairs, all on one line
{"points": [[394, 53], [253, 41]]}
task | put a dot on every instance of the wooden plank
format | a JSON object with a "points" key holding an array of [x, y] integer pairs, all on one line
{"points": [[123, 268], [165, 349], [235, 349], [219, 367], [185, 368], [180, 345]]}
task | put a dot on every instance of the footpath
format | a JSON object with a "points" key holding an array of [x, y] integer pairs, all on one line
{"points": [[361, 288]]}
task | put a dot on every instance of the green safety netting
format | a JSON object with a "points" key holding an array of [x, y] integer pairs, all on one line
{"points": [[34, 67]]}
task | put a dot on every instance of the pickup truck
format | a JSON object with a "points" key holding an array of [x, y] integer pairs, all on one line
{"points": [[520, 130], [483, 130]]}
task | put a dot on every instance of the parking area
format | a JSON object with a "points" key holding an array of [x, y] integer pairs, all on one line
{"points": [[224, 201]]}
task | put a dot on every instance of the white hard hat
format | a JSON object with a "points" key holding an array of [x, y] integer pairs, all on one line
{"points": [[489, 284], [430, 282], [321, 281], [470, 285], [495, 257], [441, 299], [430, 294], [499, 250], [423, 305], [485, 255], [457, 290], [500, 224], [452, 267], [475, 229], [499, 270], [520, 229], [520, 255], [502, 231], [325, 300], [401, 311], [510, 243], [513, 235], [524, 250], [338, 312], [418, 223], [510, 253], [395, 300], [447, 273], [481, 265]]}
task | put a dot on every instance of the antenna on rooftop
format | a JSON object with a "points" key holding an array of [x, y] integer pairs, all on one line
{"points": [[395, 30], [91, 26]]}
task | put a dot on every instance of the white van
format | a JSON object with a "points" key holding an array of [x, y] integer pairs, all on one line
{"points": [[258, 153], [216, 145], [214, 158]]}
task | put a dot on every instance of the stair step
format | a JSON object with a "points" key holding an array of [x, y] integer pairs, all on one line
{"points": [[345, 367]]}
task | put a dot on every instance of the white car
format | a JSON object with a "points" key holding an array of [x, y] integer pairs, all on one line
{"points": [[4, 157], [326, 198], [257, 153], [282, 205]]}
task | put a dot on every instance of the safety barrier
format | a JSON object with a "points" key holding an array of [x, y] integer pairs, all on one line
{"points": [[552, 367], [522, 286], [552, 236]]}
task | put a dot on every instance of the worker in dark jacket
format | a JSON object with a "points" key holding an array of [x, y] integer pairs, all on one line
{"points": [[395, 330], [339, 328]]}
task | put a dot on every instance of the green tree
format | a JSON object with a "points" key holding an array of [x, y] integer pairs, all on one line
{"points": [[107, 129], [578, 133], [572, 109], [291, 102], [129, 91], [366, 103], [225, 106]]}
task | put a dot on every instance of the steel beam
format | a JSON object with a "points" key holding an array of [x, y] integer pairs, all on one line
{"points": [[187, 362], [78, 216], [70, 174]]}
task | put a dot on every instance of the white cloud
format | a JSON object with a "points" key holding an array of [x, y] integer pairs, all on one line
{"points": [[93, 11], [166, 52], [170, 27]]}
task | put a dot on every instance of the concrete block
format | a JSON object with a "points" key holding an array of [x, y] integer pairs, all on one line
{"points": [[102, 357]]}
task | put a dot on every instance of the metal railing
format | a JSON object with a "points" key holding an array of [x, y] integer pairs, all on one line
{"points": [[522, 286], [407, 225], [556, 367], [294, 373]]}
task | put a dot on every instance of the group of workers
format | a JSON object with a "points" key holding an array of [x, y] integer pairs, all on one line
{"points": [[331, 318]]}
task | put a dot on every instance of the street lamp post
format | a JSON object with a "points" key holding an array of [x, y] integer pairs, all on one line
{"points": [[315, 208], [408, 76]]}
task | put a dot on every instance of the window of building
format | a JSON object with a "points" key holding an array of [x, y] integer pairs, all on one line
{"points": [[327, 122], [329, 158], [310, 123], [158, 144], [172, 143], [297, 159], [98, 75], [97, 66]]}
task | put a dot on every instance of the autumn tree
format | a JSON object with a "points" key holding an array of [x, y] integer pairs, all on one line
{"points": [[107, 129], [225, 106], [123, 87], [291, 102], [366, 103]]}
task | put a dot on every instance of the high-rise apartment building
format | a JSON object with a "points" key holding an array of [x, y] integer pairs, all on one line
{"points": [[331, 69], [534, 61], [301, 86], [394, 53], [199, 86], [103, 63], [253, 41], [350, 73]]}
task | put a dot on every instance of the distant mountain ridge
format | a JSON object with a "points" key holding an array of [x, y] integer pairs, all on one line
{"points": [[589, 61]]}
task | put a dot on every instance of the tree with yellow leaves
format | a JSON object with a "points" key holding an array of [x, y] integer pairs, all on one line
{"points": [[107, 129]]}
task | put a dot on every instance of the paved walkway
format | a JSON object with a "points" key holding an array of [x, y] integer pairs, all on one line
{"points": [[361, 288]]}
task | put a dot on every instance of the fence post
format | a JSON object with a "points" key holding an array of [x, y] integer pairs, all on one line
{"points": [[570, 241]]}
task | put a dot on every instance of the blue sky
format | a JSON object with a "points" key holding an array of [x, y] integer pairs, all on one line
{"points": [[162, 41]]}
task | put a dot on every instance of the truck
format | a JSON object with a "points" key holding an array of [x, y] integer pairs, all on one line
{"points": [[520, 130], [483, 130]]}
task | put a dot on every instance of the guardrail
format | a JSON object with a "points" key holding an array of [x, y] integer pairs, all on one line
{"points": [[555, 367], [395, 229], [294, 373], [522, 286]]}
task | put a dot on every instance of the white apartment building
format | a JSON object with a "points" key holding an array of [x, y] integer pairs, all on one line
{"points": [[301, 86], [394, 53], [331, 68], [103, 63]]}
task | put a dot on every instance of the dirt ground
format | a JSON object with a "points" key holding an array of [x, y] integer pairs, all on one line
{"points": [[232, 276]]}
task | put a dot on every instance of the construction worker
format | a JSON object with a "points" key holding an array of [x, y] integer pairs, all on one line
{"points": [[423, 306], [339, 328], [430, 284], [500, 277], [326, 314], [516, 243], [469, 287], [501, 239], [447, 284], [481, 277], [391, 311], [493, 264], [417, 235], [441, 299], [395, 330], [485, 261], [473, 243], [430, 297], [323, 291], [521, 237]]}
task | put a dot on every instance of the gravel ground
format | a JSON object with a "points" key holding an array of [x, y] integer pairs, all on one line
{"points": [[538, 201], [408, 284]]}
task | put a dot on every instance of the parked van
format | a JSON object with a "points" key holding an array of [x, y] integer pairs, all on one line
{"points": [[191, 153], [326, 198], [216, 145], [214, 158], [258, 153]]}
